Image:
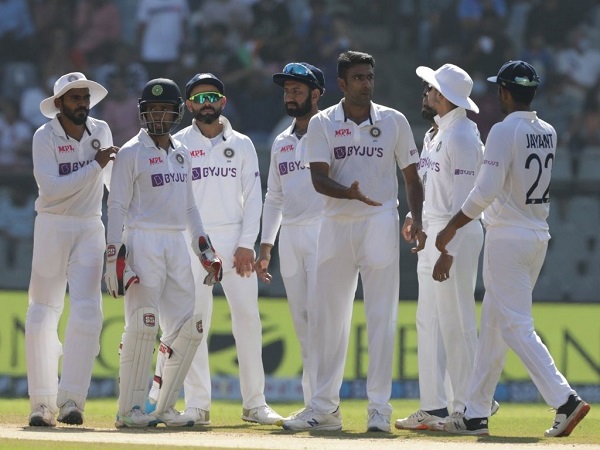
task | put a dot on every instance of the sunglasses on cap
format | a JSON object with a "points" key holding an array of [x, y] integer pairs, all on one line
{"points": [[201, 97], [301, 70]]}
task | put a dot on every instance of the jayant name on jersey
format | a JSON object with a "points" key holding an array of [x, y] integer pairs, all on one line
{"points": [[539, 141]]}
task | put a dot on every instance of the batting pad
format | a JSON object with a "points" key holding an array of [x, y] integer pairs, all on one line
{"points": [[136, 358], [178, 363]]}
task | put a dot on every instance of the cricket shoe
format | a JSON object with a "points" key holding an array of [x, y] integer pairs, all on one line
{"points": [[378, 422], [471, 427], [263, 415], [197, 415], [568, 416], [42, 416], [70, 413], [311, 420], [292, 415], [135, 418], [173, 418], [421, 420]]}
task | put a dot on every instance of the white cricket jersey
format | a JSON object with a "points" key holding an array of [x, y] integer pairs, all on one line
{"points": [[367, 153], [514, 180], [225, 180], [291, 198], [452, 164], [151, 189], [70, 181]]}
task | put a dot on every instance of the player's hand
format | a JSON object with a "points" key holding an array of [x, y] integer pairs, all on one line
{"points": [[119, 276], [261, 264], [444, 237], [243, 261], [441, 270], [354, 193], [105, 155], [406, 234], [209, 259], [417, 235]]}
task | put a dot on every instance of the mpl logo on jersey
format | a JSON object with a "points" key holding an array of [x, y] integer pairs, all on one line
{"points": [[66, 149], [160, 179], [205, 172], [67, 168], [343, 132], [155, 160], [197, 153], [290, 166], [287, 148]]}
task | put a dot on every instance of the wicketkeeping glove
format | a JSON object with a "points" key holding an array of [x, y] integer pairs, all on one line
{"points": [[118, 276], [209, 260]]}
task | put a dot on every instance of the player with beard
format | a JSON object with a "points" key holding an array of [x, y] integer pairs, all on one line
{"points": [[227, 188], [292, 203], [72, 157]]}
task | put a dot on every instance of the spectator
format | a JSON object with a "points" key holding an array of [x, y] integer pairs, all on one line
{"points": [[17, 30], [15, 137], [97, 31], [123, 64], [17, 215], [162, 27], [120, 111]]}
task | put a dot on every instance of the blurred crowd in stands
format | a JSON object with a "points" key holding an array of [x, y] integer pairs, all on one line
{"points": [[124, 43]]}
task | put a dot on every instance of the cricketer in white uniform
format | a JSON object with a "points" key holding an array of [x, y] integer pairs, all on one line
{"points": [[226, 185], [513, 190], [293, 204], [354, 149], [149, 206], [446, 313], [69, 155]]}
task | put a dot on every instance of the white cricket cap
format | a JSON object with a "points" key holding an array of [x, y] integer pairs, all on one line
{"points": [[452, 82], [73, 80]]}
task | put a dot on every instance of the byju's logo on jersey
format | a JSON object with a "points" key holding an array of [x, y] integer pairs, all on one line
{"points": [[339, 152], [160, 179], [291, 166], [66, 168], [343, 132], [205, 172]]}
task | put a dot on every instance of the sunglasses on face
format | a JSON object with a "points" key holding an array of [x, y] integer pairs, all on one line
{"points": [[299, 69], [201, 97]]}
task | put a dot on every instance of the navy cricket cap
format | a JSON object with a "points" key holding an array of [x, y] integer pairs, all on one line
{"points": [[203, 78], [517, 74], [303, 72]]}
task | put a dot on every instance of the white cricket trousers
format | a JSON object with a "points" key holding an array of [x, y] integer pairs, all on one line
{"points": [[298, 267], [512, 260], [369, 246], [447, 320], [66, 250], [242, 297]]}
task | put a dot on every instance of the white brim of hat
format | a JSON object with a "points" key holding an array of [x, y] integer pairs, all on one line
{"points": [[428, 75], [97, 93]]}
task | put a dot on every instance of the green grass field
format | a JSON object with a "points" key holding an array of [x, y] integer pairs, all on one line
{"points": [[515, 424]]}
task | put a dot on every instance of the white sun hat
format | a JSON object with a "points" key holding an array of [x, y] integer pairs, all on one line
{"points": [[73, 80], [452, 82]]}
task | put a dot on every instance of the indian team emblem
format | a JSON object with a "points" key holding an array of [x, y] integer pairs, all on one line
{"points": [[199, 327], [437, 149], [72, 78], [375, 132], [179, 158], [228, 152], [157, 90], [96, 144]]}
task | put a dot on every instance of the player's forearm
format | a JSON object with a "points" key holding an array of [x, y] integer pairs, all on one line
{"points": [[414, 197]]}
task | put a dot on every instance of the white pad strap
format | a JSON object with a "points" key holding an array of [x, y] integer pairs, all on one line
{"points": [[178, 358], [137, 349]]}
